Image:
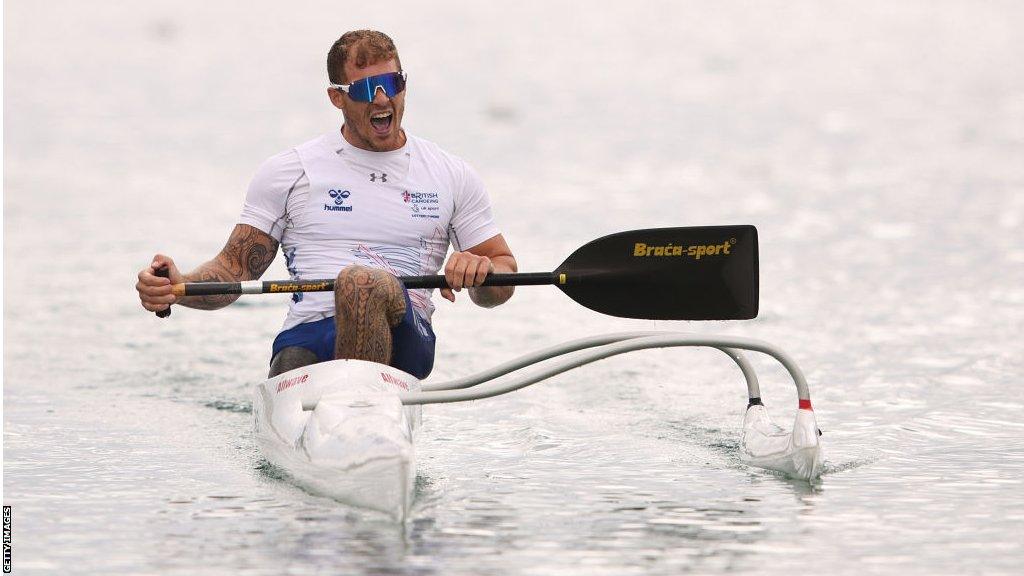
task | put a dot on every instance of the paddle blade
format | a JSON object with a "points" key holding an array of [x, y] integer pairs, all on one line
{"points": [[693, 273]]}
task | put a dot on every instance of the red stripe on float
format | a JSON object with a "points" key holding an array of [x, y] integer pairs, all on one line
{"points": [[805, 405]]}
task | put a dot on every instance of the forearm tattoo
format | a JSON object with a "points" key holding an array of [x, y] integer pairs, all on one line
{"points": [[246, 256], [368, 303]]}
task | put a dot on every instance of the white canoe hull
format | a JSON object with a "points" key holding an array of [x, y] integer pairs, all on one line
{"points": [[339, 430]]}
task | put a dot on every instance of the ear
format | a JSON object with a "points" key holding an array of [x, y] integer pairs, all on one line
{"points": [[337, 98]]}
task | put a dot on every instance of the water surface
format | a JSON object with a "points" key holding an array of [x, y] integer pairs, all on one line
{"points": [[876, 147]]}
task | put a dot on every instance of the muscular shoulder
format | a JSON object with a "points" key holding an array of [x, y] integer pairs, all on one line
{"points": [[283, 167], [267, 197], [274, 180]]}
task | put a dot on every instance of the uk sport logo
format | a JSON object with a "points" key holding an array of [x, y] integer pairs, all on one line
{"points": [[339, 197]]}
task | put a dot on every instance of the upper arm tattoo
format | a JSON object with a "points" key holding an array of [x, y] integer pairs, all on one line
{"points": [[248, 253]]}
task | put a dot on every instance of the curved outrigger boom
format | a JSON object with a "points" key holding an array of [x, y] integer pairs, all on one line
{"points": [[764, 443]]}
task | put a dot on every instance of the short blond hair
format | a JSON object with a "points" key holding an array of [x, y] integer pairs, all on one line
{"points": [[362, 48]]}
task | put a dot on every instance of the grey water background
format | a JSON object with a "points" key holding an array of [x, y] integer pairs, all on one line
{"points": [[877, 146]]}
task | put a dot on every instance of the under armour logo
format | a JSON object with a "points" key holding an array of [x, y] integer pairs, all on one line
{"points": [[383, 177]]}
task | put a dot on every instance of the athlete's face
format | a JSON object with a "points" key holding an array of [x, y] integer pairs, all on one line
{"points": [[375, 125]]}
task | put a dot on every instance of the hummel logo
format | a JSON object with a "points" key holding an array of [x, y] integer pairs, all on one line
{"points": [[339, 196], [383, 177]]}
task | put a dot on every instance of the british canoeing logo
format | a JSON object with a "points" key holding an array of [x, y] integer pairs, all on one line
{"points": [[423, 204], [339, 197]]}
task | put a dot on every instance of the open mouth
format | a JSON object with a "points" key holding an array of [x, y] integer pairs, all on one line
{"points": [[381, 121]]}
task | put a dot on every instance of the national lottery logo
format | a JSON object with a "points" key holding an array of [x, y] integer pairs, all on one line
{"points": [[339, 197]]}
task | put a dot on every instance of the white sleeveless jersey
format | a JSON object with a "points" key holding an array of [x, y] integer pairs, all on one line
{"points": [[331, 204]]}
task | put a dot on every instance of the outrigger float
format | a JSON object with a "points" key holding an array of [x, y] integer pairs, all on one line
{"points": [[345, 428]]}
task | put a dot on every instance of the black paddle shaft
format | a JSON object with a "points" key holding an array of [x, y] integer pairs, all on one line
{"points": [[524, 279], [327, 285]]}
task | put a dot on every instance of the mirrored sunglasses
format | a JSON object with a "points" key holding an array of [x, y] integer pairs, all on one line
{"points": [[364, 90]]}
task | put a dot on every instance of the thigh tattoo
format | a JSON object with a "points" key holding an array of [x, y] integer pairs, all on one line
{"points": [[368, 303]]}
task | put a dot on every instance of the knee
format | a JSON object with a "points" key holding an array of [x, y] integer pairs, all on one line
{"points": [[359, 288], [290, 358], [356, 278], [349, 272]]}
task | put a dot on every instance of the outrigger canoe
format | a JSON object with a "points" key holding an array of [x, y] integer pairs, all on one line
{"points": [[345, 428]]}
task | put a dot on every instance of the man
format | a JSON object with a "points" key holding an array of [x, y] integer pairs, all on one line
{"points": [[370, 201]]}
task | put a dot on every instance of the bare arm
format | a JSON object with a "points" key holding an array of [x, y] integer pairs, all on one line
{"points": [[246, 256], [470, 268]]}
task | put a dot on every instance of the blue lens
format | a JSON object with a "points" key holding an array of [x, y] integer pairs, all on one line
{"points": [[365, 89]]}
